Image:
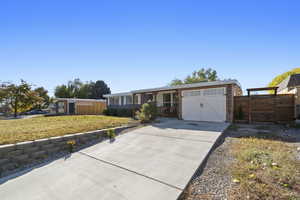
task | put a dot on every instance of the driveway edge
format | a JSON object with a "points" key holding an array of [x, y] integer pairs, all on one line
{"points": [[201, 167]]}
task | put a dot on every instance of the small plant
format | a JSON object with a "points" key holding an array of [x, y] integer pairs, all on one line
{"points": [[111, 133], [147, 113], [233, 127], [106, 112], [240, 113], [71, 144]]}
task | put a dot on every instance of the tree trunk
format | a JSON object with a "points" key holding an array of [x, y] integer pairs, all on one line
{"points": [[16, 108]]}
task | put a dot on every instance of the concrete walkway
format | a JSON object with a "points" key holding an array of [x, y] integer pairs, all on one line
{"points": [[154, 162]]}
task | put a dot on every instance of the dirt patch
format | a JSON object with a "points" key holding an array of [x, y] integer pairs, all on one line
{"points": [[250, 162]]}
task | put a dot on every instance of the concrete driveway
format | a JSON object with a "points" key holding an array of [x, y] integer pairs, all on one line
{"points": [[154, 162]]}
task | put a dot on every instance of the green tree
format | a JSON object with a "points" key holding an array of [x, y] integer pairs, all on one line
{"points": [[19, 97], [278, 79], [42, 93], [99, 89], [78, 89], [176, 81], [71, 90], [62, 91], [202, 75]]}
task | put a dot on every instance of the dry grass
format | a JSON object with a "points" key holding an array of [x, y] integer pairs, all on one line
{"points": [[265, 169], [13, 131]]}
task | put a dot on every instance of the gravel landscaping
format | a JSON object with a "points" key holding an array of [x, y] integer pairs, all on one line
{"points": [[214, 180]]}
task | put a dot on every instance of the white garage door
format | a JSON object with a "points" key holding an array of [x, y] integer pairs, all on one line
{"points": [[204, 105]]}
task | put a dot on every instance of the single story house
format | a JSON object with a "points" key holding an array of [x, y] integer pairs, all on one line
{"points": [[291, 85], [74, 106], [205, 101]]}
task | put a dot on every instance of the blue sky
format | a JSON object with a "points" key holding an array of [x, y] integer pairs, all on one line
{"points": [[141, 44]]}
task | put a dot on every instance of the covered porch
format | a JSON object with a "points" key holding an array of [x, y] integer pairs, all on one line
{"points": [[166, 101]]}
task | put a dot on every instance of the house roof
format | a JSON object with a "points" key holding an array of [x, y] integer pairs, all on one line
{"points": [[118, 94], [193, 85], [75, 99], [184, 86], [290, 82]]}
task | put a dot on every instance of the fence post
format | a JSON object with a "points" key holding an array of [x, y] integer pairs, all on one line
{"points": [[249, 110]]}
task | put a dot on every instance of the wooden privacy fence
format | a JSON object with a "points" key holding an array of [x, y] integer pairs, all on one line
{"points": [[90, 108], [264, 108]]}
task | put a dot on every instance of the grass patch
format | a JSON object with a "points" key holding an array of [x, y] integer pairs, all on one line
{"points": [[265, 169], [233, 127], [19, 130]]}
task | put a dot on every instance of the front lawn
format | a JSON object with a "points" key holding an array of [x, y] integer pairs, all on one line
{"points": [[19, 130], [265, 169]]}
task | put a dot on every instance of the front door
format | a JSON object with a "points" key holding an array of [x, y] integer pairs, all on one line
{"points": [[71, 108]]}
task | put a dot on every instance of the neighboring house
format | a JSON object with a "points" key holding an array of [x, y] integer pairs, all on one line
{"points": [[75, 106], [205, 101], [291, 85]]}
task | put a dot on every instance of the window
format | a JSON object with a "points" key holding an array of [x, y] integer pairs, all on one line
{"points": [[213, 92], [167, 100], [122, 100], [192, 93], [136, 99], [128, 99], [148, 97], [114, 100]]}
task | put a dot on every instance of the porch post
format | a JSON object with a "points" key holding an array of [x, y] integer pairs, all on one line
{"points": [[179, 105], [155, 97]]}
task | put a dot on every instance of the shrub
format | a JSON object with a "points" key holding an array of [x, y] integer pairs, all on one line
{"points": [[105, 112], [240, 113], [111, 133], [119, 112], [147, 113], [71, 144]]}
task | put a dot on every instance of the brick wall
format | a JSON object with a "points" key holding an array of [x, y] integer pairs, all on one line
{"points": [[15, 156], [229, 103]]}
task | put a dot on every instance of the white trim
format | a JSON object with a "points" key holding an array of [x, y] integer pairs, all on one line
{"points": [[75, 99], [118, 94], [187, 86]]}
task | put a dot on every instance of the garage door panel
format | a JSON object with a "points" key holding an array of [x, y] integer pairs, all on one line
{"points": [[204, 105]]}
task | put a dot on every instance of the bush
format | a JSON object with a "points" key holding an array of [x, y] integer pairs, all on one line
{"points": [[111, 133], [71, 144], [119, 112], [105, 112], [240, 113], [147, 113]]}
